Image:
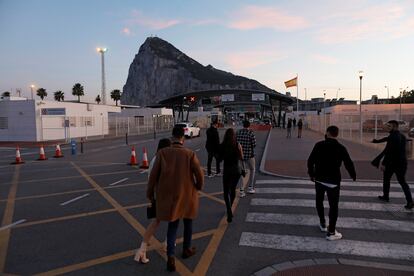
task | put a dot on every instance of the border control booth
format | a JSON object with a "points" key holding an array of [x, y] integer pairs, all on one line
{"points": [[235, 105]]}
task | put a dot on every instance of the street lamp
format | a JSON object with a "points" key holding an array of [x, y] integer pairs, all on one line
{"points": [[360, 75], [31, 89], [388, 93], [337, 92], [102, 51]]}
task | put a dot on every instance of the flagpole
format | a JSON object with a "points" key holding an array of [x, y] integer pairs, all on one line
{"points": [[297, 96]]}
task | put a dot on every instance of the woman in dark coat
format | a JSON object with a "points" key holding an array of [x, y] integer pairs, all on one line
{"points": [[231, 153]]}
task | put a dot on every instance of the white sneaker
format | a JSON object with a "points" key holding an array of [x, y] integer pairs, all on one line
{"points": [[251, 191], [242, 194], [219, 174], [334, 237], [323, 228], [210, 175]]}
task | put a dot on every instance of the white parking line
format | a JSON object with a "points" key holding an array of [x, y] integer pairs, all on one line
{"points": [[143, 171], [299, 181], [12, 224], [343, 222], [73, 199], [119, 181], [312, 244]]}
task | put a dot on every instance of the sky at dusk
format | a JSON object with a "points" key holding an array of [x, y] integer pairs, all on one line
{"points": [[52, 43]]}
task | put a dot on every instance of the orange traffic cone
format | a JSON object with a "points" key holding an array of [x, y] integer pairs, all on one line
{"points": [[133, 160], [145, 164], [19, 160], [42, 155], [58, 152]]}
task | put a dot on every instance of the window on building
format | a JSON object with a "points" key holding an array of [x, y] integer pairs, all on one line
{"points": [[4, 123], [89, 121], [72, 121], [139, 120]]}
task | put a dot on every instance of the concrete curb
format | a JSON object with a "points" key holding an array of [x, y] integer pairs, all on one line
{"points": [[272, 269], [264, 171]]}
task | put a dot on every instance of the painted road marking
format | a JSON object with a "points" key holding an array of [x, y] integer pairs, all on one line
{"points": [[11, 225], [366, 206], [312, 192], [119, 181], [197, 150], [312, 244], [143, 171], [74, 199], [343, 222], [299, 181]]}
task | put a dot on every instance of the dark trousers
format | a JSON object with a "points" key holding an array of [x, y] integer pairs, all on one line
{"points": [[400, 173], [333, 198], [172, 235], [212, 154], [229, 190]]}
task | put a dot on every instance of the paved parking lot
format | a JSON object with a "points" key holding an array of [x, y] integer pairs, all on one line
{"points": [[85, 214]]}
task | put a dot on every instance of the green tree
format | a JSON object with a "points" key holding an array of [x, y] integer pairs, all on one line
{"points": [[116, 95], [59, 96], [41, 92], [6, 94], [98, 99], [77, 90]]}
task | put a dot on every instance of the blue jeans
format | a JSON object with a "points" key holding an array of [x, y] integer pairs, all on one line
{"points": [[172, 235]]}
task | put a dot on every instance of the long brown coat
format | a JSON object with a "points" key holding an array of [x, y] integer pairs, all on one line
{"points": [[176, 178]]}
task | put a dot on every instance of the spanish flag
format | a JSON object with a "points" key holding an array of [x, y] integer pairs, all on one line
{"points": [[292, 82]]}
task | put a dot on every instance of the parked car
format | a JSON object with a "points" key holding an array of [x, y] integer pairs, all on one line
{"points": [[190, 130], [370, 125], [411, 132]]}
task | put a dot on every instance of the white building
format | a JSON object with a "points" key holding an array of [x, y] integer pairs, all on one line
{"points": [[33, 120]]}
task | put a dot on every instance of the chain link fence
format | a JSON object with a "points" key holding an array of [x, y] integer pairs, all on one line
{"points": [[119, 126]]}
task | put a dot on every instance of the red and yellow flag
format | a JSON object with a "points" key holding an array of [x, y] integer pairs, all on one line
{"points": [[292, 82]]}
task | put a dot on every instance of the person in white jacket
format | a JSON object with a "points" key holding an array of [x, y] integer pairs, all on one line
{"points": [[141, 254]]}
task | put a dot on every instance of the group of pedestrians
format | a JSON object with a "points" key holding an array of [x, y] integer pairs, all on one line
{"points": [[292, 123], [324, 165]]}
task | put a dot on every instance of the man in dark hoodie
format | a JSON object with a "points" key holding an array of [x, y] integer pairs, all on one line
{"points": [[212, 147], [324, 165], [395, 161]]}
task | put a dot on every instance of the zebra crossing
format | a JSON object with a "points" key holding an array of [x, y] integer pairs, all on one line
{"points": [[279, 203]]}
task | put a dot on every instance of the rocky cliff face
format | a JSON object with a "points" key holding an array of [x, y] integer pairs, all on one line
{"points": [[160, 70]]}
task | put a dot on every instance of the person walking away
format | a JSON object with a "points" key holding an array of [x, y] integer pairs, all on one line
{"points": [[246, 138], [231, 153], [176, 179], [294, 122], [300, 126], [289, 129], [324, 165], [212, 147], [141, 254], [394, 161], [284, 120]]}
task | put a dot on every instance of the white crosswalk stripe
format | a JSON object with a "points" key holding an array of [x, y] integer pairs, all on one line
{"points": [[381, 218], [311, 191]]}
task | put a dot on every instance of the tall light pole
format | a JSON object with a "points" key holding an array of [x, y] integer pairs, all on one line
{"points": [[388, 93], [360, 74], [102, 51], [337, 93], [31, 89], [324, 110]]}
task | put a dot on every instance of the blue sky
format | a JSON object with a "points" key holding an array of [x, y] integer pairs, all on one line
{"points": [[52, 44]]}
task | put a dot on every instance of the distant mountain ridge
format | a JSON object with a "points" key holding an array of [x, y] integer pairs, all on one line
{"points": [[160, 70]]}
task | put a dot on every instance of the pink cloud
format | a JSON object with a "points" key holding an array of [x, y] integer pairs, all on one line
{"points": [[138, 18], [325, 59], [243, 60], [257, 17], [365, 23], [126, 31]]}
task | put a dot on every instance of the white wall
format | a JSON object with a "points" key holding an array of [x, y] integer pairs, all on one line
{"points": [[20, 119]]}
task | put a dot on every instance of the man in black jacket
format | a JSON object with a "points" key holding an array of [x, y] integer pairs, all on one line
{"points": [[324, 165], [212, 146], [395, 161]]}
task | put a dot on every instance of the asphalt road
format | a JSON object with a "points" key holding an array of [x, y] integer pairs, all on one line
{"points": [[85, 214]]}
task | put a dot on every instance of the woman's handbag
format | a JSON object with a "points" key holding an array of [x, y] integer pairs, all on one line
{"points": [[151, 210]]}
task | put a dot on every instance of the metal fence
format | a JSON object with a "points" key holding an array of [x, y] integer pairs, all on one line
{"points": [[119, 126], [372, 126]]}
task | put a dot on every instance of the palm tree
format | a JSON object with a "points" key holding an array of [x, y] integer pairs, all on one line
{"points": [[6, 94], [98, 99], [41, 92], [77, 90], [116, 95], [59, 96]]}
